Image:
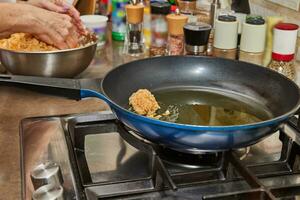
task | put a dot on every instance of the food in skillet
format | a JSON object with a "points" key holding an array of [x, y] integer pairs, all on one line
{"points": [[144, 103], [195, 108]]}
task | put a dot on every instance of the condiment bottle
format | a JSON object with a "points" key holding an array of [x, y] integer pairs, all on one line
{"points": [[159, 27], [271, 22], [118, 19], [147, 23], [175, 44], [196, 35], [253, 40], [284, 46], [214, 8], [134, 41], [187, 7], [225, 37]]}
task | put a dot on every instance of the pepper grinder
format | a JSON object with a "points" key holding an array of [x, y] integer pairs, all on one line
{"points": [[196, 35], [134, 44], [175, 33]]}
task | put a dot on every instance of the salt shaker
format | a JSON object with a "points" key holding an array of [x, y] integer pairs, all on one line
{"points": [[253, 40], [196, 35], [175, 33], [134, 44], [225, 37], [284, 46]]}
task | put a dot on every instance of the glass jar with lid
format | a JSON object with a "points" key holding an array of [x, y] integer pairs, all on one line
{"points": [[159, 28]]}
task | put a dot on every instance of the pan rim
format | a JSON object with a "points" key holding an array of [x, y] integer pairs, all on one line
{"points": [[264, 123]]}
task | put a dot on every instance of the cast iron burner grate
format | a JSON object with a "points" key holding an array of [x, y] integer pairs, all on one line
{"points": [[154, 172]]}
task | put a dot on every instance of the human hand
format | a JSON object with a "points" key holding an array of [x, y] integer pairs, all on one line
{"points": [[61, 6], [53, 28]]}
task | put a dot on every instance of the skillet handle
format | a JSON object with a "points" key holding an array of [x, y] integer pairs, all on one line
{"points": [[69, 88]]}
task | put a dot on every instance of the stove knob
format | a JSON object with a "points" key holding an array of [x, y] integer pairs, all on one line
{"points": [[46, 173], [49, 192]]}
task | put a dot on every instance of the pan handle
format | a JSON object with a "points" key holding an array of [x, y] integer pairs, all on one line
{"points": [[69, 88]]}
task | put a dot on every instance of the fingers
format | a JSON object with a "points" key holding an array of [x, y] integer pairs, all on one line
{"points": [[54, 28], [71, 11], [54, 40], [53, 7]]}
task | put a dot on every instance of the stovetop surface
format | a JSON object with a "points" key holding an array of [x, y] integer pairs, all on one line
{"points": [[100, 158]]}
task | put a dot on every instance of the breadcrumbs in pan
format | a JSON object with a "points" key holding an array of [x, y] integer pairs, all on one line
{"points": [[144, 103], [25, 42]]}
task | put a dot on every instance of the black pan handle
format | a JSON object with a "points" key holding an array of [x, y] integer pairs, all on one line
{"points": [[69, 88]]}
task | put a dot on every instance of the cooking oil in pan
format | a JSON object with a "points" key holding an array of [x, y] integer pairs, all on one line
{"points": [[208, 108]]}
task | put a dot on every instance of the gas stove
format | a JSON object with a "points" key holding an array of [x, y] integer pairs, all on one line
{"points": [[93, 156]]}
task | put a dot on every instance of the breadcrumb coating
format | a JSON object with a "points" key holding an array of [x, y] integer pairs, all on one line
{"points": [[144, 103], [25, 42]]}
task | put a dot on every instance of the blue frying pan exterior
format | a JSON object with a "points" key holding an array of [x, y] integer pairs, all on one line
{"points": [[189, 137]]}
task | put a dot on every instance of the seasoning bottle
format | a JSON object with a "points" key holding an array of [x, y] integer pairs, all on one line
{"points": [[159, 27], [134, 41], [175, 44], [196, 35], [187, 7], [147, 23], [118, 19], [271, 22], [253, 40], [225, 37], [214, 7], [284, 46]]}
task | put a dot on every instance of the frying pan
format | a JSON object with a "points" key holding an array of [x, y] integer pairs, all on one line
{"points": [[227, 77]]}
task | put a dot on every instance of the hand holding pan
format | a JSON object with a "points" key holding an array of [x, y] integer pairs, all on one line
{"points": [[241, 80]]}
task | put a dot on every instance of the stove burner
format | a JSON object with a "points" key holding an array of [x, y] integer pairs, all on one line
{"points": [[193, 161], [100, 158]]}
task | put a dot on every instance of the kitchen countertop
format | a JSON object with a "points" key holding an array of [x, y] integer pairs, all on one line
{"points": [[17, 104]]}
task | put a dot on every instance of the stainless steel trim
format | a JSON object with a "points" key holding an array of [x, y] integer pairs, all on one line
{"points": [[49, 192], [195, 49], [46, 173]]}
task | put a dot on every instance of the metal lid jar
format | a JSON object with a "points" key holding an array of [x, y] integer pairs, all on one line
{"points": [[159, 28]]}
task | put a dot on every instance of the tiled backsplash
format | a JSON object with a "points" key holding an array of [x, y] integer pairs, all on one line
{"points": [[267, 8]]}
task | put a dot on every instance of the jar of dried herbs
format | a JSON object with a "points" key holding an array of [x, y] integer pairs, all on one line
{"points": [[284, 46], [159, 27]]}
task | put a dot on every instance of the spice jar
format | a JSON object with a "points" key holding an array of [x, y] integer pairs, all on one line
{"points": [[271, 22], [147, 23], [175, 44], [196, 35], [225, 37], [188, 8], [134, 41], [284, 46], [253, 40], [159, 27]]}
